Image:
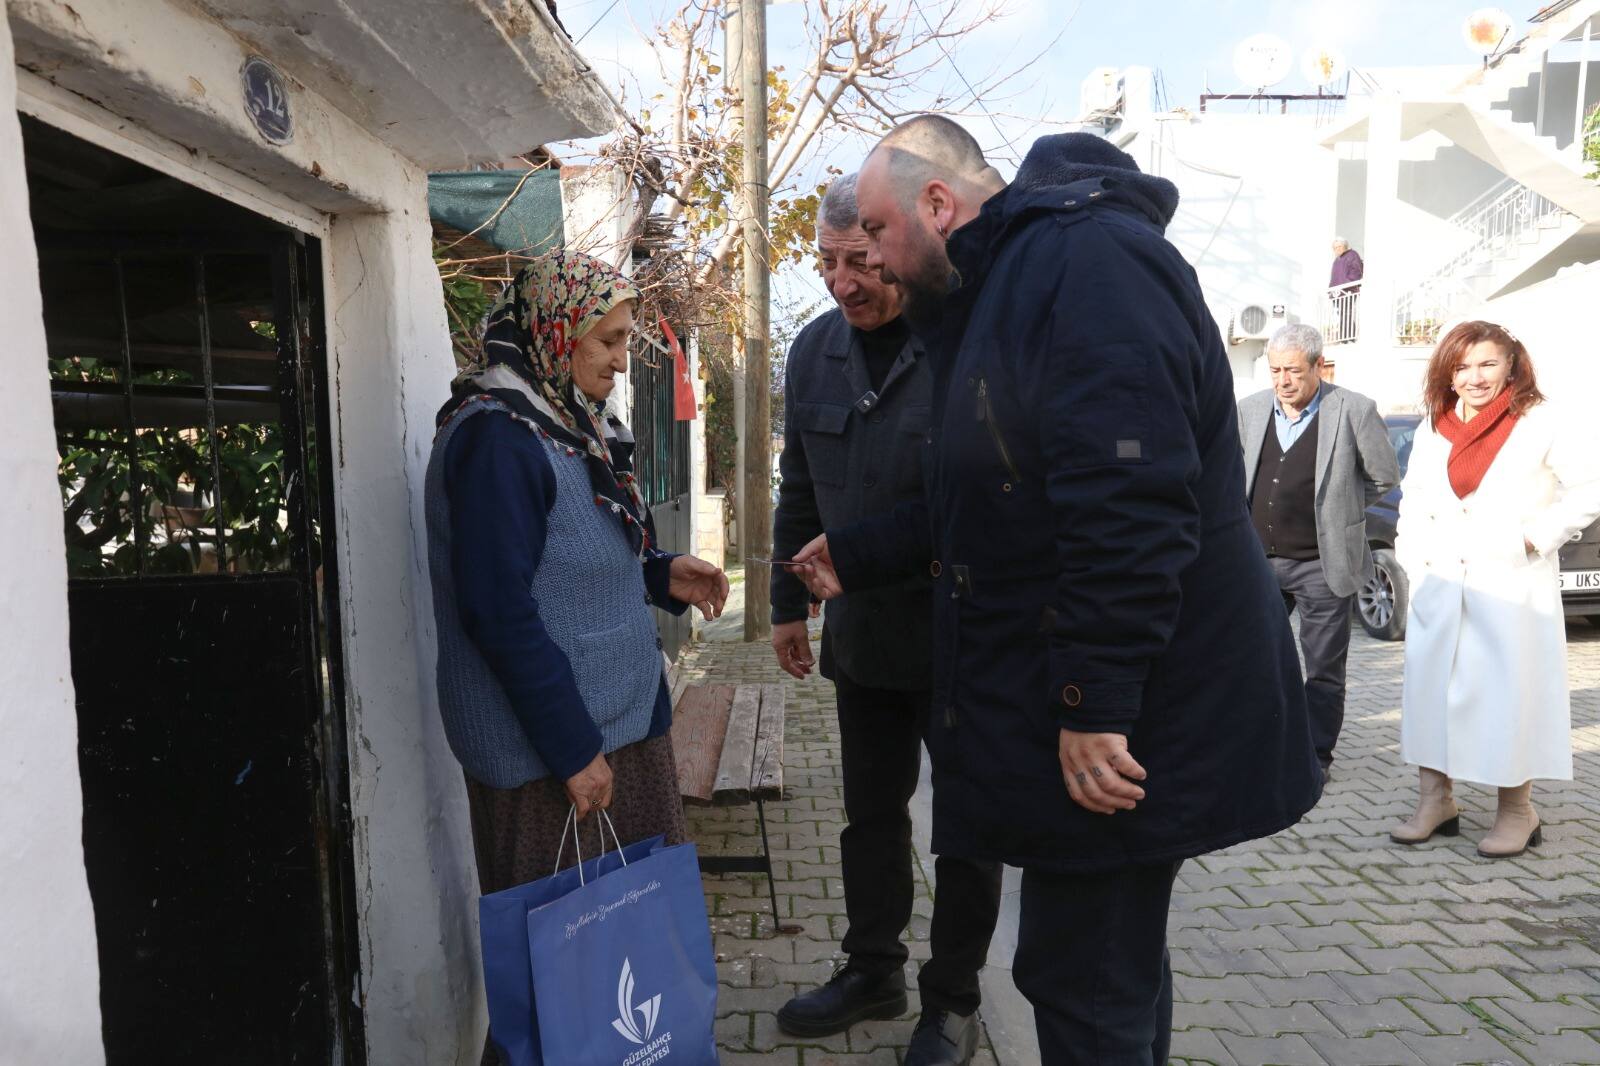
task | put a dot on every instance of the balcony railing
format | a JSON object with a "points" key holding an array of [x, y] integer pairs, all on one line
{"points": [[1500, 222], [1341, 319]]}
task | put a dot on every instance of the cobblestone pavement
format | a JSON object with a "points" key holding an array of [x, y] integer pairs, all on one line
{"points": [[1324, 944]]}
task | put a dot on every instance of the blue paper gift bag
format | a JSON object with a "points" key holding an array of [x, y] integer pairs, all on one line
{"points": [[606, 962]]}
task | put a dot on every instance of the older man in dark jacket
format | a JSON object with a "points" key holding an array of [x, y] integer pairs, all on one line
{"points": [[1115, 683], [856, 402]]}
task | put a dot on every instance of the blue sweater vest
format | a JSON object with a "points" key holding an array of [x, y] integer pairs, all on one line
{"points": [[590, 591]]}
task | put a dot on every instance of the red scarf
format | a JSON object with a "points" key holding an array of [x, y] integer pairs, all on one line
{"points": [[1474, 444]]}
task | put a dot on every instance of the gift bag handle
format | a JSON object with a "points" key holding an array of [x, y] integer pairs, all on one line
{"points": [[571, 828]]}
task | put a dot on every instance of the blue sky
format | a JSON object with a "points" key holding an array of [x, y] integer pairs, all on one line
{"points": [[1188, 41]]}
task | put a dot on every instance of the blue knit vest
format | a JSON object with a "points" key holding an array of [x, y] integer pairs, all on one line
{"points": [[591, 595]]}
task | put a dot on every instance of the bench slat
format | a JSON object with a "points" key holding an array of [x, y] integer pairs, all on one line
{"points": [[738, 747], [768, 764], [699, 728]]}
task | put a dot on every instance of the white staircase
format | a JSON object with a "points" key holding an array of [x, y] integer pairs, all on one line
{"points": [[1546, 200], [1511, 229]]}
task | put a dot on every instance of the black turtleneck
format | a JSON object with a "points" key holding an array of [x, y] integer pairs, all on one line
{"points": [[882, 347]]}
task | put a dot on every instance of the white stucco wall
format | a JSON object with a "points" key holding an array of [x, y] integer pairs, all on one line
{"points": [[1256, 212], [49, 979], [390, 369], [1555, 320], [159, 81]]}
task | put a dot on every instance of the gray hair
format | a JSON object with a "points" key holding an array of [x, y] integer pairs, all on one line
{"points": [[1341, 240], [838, 208], [1298, 338]]}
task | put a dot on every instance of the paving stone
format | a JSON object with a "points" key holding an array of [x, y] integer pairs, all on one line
{"points": [[1276, 1021], [1322, 960], [1282, 991], [1548, 1017], [1380, 1049], [1474, 984], [1375, 987], [1366, 1018], [1290, 1050], [1211, 1015], [1387, 960], [1200, 1046], [1573, 1047]]}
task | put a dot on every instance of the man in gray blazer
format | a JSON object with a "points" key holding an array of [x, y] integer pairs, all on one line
{"points": [[857, 396], [1315, 457]]}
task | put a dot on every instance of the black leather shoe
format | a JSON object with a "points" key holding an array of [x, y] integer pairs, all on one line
{"points": [[943, 1038], [850, 996]]}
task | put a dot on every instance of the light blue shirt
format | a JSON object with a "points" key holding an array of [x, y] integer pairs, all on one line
{"points": [[1292, 429]]}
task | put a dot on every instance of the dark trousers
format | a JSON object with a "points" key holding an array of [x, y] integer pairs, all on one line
{"points": [[1325, 642], [880, 742], [1092, 960]]}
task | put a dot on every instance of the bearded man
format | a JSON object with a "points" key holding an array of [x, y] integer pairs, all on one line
{"points": [[1115, 684]]}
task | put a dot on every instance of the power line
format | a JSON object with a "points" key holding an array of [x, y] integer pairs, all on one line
{"points": [[1009, 142], [596, 22]]}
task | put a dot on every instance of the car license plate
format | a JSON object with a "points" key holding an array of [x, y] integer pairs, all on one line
{"points": [[1580, 581]]}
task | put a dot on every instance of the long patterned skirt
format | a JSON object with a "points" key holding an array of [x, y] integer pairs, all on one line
{"points": [[516, 832]]}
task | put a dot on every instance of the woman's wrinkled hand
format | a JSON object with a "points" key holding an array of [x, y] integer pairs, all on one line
{"points": [[591, 787], [699, 584]]}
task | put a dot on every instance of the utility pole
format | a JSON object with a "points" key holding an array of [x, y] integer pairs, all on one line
{"points": [[755, 531], [733, 84]]}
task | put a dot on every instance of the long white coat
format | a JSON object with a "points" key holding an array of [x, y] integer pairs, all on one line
{"points": [[1486, 643]]}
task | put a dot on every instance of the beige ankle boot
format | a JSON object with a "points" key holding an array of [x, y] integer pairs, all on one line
{"points": [[1516, 825], [1436, 811]]}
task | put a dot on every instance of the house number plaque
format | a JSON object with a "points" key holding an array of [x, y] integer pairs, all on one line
{"points": [[267, 100]]}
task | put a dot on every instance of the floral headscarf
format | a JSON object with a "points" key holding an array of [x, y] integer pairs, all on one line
{"points": [[528, 344]]}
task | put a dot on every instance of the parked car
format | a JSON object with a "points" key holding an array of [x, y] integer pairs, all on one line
{"points": [[1381, 604]]}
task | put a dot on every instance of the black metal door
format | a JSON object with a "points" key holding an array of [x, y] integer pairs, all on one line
{"points": [[186, 374]]}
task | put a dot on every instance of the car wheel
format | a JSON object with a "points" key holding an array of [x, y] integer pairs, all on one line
{"points": [[1381, 603]]}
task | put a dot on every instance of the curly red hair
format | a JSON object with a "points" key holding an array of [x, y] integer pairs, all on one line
{"points": [[1438, 391]]}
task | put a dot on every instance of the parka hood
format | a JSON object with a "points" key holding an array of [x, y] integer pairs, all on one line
{"points": [[1066, 158]]}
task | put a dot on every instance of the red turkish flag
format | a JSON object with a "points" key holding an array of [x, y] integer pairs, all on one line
{"points": [[683, 405]]}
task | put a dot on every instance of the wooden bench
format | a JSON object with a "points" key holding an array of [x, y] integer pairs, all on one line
{"points": [[728, 744]]}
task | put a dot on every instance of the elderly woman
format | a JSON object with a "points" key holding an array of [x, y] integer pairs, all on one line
{"points": [[544, 570], [1498, 482]]}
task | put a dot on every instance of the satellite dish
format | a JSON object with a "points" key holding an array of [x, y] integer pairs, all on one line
{"points": [[1323, 66], [1263, 60], [1485, 28]]}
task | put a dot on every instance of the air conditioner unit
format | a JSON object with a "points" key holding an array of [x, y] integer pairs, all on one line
{"points": [[1258, 321]]}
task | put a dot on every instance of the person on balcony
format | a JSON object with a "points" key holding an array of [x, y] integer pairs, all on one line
{"points": [[1343, 285], [1315, 457], [1347, 267], [1498, 481]]}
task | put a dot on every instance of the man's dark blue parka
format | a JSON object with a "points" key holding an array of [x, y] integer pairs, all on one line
{"points": [[1085, 524]]}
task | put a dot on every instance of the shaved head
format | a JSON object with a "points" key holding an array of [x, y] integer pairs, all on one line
{"points": [[933, 148], [926, 179]]}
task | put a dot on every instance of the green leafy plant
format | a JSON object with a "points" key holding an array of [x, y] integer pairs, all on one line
{"points": [[1591, 142], [176, 480]]}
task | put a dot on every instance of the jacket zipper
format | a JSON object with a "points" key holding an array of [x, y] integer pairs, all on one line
{"points": [[986, 413]]}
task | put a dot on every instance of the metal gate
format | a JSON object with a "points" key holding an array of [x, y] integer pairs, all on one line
{"points": [[661, 462], [189, 396]]}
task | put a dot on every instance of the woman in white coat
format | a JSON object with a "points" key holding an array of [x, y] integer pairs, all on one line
{"points": [[1498, 482]]}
